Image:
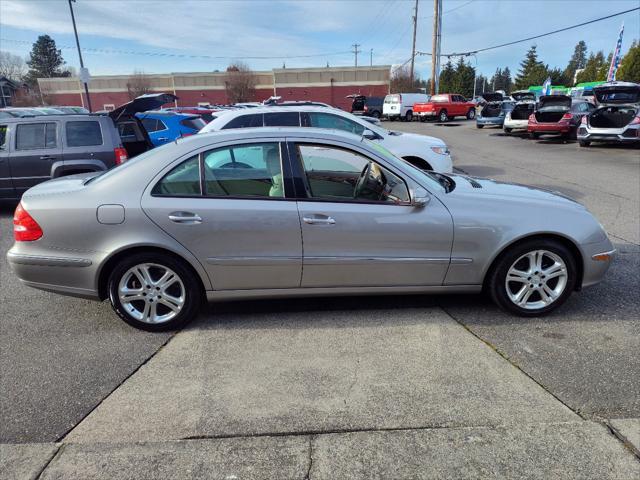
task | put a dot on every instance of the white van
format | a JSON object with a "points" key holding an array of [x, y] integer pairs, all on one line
{"points": [[400, 105]]}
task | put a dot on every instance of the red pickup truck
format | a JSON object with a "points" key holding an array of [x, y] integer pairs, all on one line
{"points": [[445, 106]]}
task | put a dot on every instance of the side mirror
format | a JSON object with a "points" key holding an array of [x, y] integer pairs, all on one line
{"points": [[369, 135], [420, 198]]}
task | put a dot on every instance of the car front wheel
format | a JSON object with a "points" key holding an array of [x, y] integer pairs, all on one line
{"points": [[154, 292], [533, 278], [471, 114], [507, 130], [584, 143]]}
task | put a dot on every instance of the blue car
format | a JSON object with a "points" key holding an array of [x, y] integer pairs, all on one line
{"points": [[164, 127], [494, 111]]}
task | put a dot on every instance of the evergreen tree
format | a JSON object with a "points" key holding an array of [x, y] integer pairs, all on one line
{"points": [[558, 77], [463, 79], [501, 80], [532, 71], [45, 60], [447, 77], [578, 60], [592, 68], [629, 70]]}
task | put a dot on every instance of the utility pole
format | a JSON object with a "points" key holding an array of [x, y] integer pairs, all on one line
{"points": [[83, 72], [435, 48], [356, 51], [413, 48], [371, 57]]}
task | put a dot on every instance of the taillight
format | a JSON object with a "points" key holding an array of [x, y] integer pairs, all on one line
{"points": [[583, 121], [566, 117], [532, 118], [25, 228], [366, 109], [121, 155]]}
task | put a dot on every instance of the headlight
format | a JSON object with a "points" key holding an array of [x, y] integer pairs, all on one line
{"points": [[440, 150]]}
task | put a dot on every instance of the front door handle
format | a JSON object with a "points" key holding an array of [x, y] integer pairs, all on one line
{"points": [[46, 157], [319, 220], [185, 217]]}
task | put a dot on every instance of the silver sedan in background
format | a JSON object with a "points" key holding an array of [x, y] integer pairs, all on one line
{"points": [[269, 212]]}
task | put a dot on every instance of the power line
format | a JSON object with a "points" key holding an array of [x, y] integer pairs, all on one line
{"points": [[108, 51], [465, 54], [451, 9]]}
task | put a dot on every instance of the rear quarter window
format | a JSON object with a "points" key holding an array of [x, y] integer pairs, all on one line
{"points": [[83, 134], [245, 121]]}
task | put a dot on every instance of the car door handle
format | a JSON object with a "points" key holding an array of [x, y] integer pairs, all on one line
{"points": [[316, 220], [46, 157], [185, 217], [162, 139]]}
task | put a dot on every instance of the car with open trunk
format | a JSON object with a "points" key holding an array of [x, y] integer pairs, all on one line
{"points": [[617, 117], [518, 117], [558, 115], [494, 111]]}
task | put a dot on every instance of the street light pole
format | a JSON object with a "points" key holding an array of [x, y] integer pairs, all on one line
{"points": [[75, 31], [475, 75]]}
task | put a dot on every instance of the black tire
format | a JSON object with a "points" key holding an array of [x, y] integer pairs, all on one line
{"points": [[375, 114], [408, 117], [442, 116], [479, 126], [534, 135], [471, 114], [584, 143], [496, 280], [192, 290], [422, 118], [508, 130]]}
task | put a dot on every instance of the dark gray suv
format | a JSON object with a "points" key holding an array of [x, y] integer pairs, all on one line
{"points": [[35, 149]]}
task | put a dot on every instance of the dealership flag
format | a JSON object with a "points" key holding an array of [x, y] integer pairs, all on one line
{"points": [[615, 60], [546, 87]]}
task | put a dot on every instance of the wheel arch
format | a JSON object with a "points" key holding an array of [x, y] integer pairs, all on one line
{"points": [[565, 241], [109, 264]]}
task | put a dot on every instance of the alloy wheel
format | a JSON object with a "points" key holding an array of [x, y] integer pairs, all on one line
{"points": [[536, 279], [151, 293]]}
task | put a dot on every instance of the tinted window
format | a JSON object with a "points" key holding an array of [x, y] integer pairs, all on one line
{"points": [[337, 174], [129, 132], [195, 123], [3, 136], [327, 120], [80, 134], [150, 124], [245, 121], [183, 180], [36, 135], [244, 171], [282, 119]]}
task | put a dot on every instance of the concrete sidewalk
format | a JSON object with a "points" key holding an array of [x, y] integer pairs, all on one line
{"points": [[397, 393]]}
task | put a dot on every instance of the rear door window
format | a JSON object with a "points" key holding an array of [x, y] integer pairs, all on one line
{"points": [[182, 181], [82, 134], [3, 137], [150, 124], [282, 119], [31, 136], [245, 121], [336, 122]]}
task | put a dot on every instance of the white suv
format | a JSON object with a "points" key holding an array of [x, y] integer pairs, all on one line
{"points": [[428, 153]]}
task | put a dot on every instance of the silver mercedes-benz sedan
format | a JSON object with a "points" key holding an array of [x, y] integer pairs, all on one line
{"points": [[297, 211]]}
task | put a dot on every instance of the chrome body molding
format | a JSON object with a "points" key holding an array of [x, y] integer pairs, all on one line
{"points": [[47, 261]]}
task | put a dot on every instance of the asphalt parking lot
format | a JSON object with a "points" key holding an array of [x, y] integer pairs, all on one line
{"points": [[420, 387]]}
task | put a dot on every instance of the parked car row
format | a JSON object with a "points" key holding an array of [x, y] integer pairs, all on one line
{"points": [[612, 116]]}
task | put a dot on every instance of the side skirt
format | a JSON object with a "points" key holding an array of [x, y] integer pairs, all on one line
{"points": [[224, 295]]}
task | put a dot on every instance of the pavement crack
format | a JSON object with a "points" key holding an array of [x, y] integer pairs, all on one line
{"points": [[515, 365], [308, 475], [147, 360], [621, 437], [55, 455]]}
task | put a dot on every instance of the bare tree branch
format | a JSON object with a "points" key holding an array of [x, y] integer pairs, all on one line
{"points": [[12, 66], [240, 83], [138, 84]]}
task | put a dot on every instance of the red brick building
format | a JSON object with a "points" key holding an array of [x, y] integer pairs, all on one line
{"points": [[329, 85]]}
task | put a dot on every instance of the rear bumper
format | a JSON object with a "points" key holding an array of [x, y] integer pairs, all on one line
{"points": [[549, 128], [425, 114], [630, 134], [516, 124], [67, 275], [498, 121]]}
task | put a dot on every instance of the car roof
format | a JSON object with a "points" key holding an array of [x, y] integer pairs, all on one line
{"points": [[59, 116], [157, 113]]}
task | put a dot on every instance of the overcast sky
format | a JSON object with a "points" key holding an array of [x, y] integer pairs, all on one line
{"points": [[325, 29]]}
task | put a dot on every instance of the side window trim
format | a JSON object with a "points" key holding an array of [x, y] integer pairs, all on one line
{"points": [[301, 184]]}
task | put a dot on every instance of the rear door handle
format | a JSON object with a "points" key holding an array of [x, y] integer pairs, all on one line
{"points": [[319, 220], [185, 217], [46, 157]]}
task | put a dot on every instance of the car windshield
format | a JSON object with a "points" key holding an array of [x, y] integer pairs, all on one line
{"points": [[433, 180]]}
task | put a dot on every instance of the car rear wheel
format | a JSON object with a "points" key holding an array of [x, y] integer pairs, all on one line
{"points": [[471, 114], [154, 292], [442, 116], [533, 278], [479, 126], [584, 143], [534, 135], [508, 130], [375, 114], [408, 116]]}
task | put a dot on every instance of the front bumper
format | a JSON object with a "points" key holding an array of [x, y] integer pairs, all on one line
{"points": [[597, 258]]}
